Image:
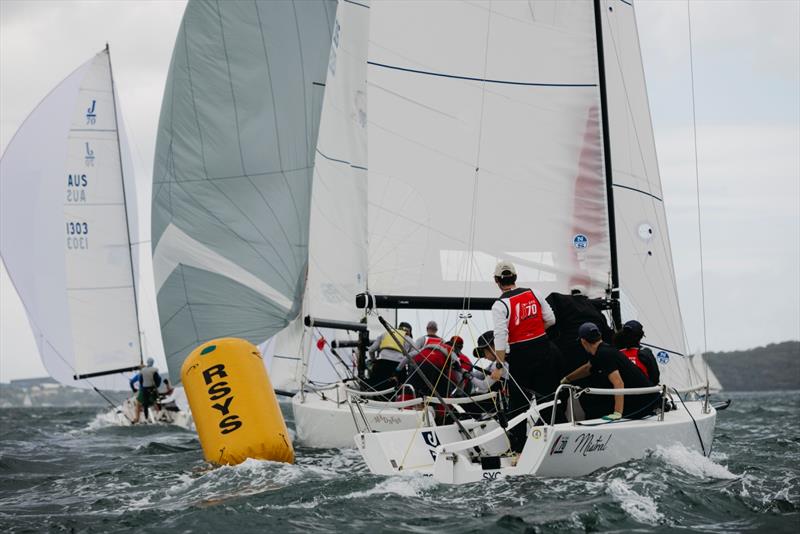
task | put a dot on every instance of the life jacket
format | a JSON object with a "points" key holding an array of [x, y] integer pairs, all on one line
{"points": [[437, 354], [431, 340], [633, 356], [389, 342], [525, 320]]}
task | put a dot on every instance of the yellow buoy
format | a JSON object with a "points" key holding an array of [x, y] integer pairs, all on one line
{"points": [[234, 407]]}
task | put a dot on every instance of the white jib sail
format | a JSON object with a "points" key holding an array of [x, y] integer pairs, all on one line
{"points": [[64, 230], [647, 277], [337, 250]]}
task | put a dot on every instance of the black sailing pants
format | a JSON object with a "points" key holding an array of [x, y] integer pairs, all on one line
{"points": [[532, 367]]}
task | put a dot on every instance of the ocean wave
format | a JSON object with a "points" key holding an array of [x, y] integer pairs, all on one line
{"points": [[402, 485], [642, 508], [692, 462]]}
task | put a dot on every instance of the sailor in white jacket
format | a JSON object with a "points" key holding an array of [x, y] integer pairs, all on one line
{"points": [[520, 321]]}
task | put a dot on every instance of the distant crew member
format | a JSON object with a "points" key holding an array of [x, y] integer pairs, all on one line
{"points": [[148, 380], [386, 352], [612, 369], [520, 320], [485, 375], [628, 341], [430, 337]]}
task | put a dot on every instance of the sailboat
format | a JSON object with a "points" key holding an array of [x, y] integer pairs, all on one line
{"points": [[67, 228], [478, 150], [530, 127]]}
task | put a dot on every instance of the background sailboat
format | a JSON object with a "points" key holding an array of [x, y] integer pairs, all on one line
{"points": [[67, 224]]}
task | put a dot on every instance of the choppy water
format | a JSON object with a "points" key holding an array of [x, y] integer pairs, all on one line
{"points": [[72, 470]]}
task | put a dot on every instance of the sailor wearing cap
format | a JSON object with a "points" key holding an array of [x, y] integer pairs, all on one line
{"points": [[520, 320], [628, 341], [484, 373], [610, 368]]}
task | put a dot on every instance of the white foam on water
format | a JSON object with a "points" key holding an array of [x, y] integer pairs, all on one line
{"points": [[116, 417], [692, 462], [404, 486], [112, 417], [640, 507]]}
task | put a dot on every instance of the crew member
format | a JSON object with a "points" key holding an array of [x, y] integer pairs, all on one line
{"points": [[613, 369], [457, 345], [628, 341], [147, 393], [438, 364], [430, 335], [520, 320], [485, 375], [386, 352]]}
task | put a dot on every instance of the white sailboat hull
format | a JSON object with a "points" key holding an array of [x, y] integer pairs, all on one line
{"points": [[562, 450], [328, 422]]}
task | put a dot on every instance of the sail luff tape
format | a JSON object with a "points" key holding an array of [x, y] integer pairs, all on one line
{"points": [[234, 406]]}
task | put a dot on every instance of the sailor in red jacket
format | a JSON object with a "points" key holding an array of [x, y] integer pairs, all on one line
{"points": [[439, 364], [520, 320], [628, 341]]}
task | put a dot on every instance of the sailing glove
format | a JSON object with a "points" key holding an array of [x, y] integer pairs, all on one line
{"points": [[616, 416]]}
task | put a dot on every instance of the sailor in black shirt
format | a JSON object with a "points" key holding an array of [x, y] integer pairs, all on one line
{"points": [[611, 368]]}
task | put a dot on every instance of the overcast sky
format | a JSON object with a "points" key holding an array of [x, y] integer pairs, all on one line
{"points": [[747, 79]]}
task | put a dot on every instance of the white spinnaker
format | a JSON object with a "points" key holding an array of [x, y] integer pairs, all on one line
{"points": [[644, 256], [507, 88], [64, 232], [338, 221]]}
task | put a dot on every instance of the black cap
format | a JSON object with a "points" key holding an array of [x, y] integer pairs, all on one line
{"points": [[589, 332], [634, 326], [486, 339]]}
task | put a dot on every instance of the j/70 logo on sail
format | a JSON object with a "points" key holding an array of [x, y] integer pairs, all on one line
{"points": [[217, 392], [91, 115]]}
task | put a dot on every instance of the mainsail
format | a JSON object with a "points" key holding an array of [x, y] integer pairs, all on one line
{"points": [[483, 145], [65, 235], [233, 169]]}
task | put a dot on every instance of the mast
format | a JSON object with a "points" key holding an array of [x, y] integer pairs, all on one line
{"points": [[125, 205], [613, 291]]}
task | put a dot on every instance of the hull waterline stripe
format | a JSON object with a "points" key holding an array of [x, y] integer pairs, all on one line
{"points": [[473, 79]]}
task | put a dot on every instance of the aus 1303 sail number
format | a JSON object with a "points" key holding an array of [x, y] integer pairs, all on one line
{"points": [[77, 235]]}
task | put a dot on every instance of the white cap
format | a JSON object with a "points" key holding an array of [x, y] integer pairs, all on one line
{"points": [[504, 266]]}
